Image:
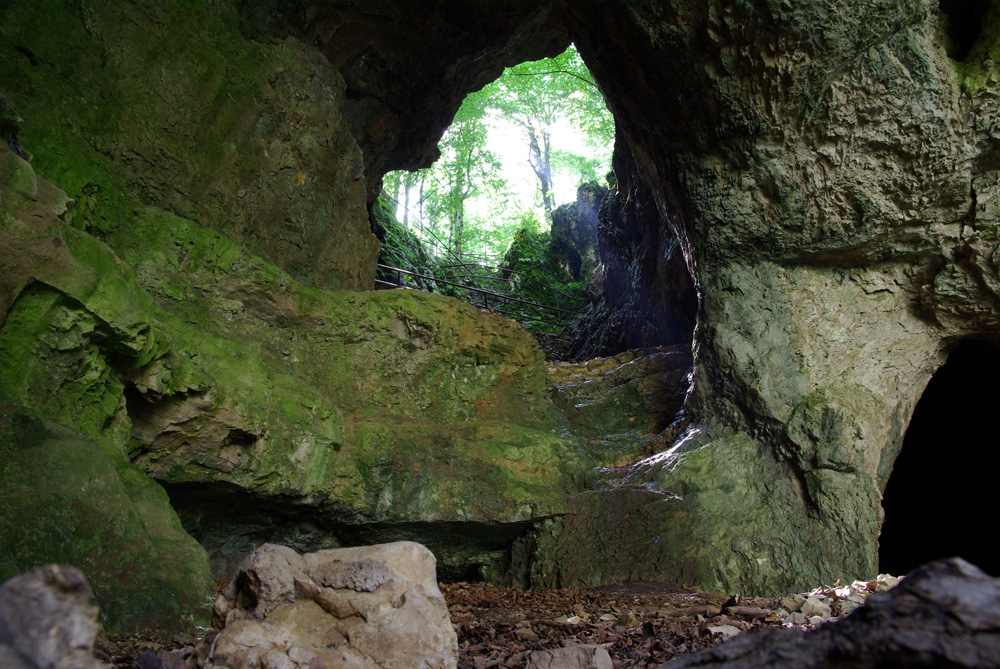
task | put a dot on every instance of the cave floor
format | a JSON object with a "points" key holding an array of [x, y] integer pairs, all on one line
{"points": [[641, 624]]}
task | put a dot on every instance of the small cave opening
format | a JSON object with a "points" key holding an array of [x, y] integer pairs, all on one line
{"points": [[965, 23], [943, 481]]}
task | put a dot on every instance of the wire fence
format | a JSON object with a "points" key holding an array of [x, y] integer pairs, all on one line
{"points": [[489, 288], [482, 281]]}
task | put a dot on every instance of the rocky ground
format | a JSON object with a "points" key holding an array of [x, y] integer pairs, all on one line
{"points": [[641, 624]]}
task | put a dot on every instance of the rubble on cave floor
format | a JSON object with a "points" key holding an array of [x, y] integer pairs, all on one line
{"points": [[640, 624]]}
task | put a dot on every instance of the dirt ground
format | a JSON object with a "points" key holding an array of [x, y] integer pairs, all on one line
{"points": [[640, 624]]}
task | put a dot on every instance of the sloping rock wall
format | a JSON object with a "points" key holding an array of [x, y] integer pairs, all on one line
{"points": [[822, 171]]}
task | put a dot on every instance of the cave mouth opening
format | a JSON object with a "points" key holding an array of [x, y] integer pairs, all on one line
{"points": [[965, 23], [506, 218], [942, 483]]}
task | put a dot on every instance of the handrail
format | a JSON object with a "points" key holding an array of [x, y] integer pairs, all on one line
{"points": [[514, 271], [399, 270]]}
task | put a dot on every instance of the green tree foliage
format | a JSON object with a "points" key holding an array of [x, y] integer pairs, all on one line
{"points": [[464, 208], [536, 96]]}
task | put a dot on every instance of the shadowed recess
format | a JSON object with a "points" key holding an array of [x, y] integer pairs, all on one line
{"points": [[943, 482], [965, 22]]}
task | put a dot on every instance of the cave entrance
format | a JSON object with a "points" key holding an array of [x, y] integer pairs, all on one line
{"points": [[506, 218], [964, 24], [943, 482]]}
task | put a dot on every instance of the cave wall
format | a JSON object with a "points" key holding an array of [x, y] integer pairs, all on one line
{"points": [[831, 176], [827, 177], [408, 65], [642, 294]]}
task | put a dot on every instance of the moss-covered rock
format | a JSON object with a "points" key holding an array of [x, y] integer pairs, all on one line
{"points": [[65, 498], [170, 102], [183, 354]]}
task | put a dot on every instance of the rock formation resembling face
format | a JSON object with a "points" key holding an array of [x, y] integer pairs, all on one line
{"points": [[826, 181]]}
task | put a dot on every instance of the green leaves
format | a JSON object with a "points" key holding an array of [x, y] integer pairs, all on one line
{"points": [[543, 123]]}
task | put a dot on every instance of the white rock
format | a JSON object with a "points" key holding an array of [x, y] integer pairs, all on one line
{"points": [[727, 631], [814, 606], [366, 607], [571, 657], [47, 620]]}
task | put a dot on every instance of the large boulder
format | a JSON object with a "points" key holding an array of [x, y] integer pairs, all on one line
{"points": [[365, 607]]}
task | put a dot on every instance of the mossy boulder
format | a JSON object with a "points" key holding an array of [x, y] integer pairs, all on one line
{"points": [[65, 498], [171, 103], [182, 354]]}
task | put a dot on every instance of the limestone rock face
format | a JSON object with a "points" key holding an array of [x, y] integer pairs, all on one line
{"points": [[248, 138], [828, 180], [408, 66], [571, 657], [943, 614], [47, 620], [574, 232], [821, 173], [372, 606], [268, 409], [642, 293]]}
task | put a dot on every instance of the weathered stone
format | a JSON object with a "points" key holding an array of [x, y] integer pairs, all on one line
{"points": [[815, 607], [725, 631], [17, 175], [372, 606], [47, 620], [824, 177], [944, 614], [62, 494], [642, 293], [634, 391], [571, 657], [574, 232], [392, 55], [793, 602]]}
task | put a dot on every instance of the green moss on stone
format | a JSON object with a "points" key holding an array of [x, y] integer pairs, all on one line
{"points": [[65, 499]]}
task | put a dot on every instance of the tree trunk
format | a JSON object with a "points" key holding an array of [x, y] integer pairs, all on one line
{"points": [[540, 157]]}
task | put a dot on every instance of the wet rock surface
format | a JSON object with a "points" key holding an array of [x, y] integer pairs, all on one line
{"points": [[372, 606], [636, 391]]}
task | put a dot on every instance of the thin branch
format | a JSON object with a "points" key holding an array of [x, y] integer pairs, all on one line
{"points": [[572, 74]]}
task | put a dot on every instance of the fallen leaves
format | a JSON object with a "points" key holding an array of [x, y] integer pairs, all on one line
{"points": [[639, 624]]}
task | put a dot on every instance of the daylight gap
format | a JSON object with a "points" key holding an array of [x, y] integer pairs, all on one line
{"points": [[531, 148]]}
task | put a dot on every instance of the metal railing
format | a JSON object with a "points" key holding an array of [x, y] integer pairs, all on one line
{"points": [[483, 296]]}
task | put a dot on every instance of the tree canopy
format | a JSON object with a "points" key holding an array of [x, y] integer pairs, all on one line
{"points": [[514, 148]]}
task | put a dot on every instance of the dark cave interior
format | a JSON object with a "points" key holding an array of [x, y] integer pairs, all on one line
{"points": [[965, 23], [943, 484]]}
